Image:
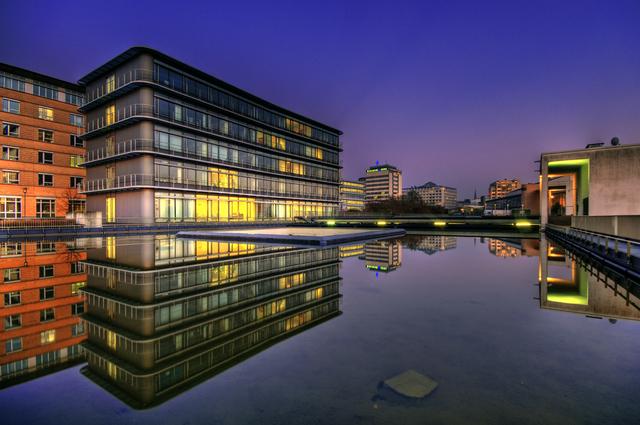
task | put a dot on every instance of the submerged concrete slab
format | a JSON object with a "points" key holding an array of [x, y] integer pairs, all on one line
{"points": [[294, 235], [411, 384]]}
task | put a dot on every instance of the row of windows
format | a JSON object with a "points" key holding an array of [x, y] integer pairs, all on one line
{"points": [[200, 176], [177, 207], [175, 141], [13, 274], [44, 135], [39, 89], [44, 113], [44, 179], [185, 115], [11, 207], [182, 83], [12, 153]]}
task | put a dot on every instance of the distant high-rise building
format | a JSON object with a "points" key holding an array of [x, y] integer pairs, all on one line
{"points": [[382, 182], [351, 195], [383, 256], [501, 187], [436, 195]]}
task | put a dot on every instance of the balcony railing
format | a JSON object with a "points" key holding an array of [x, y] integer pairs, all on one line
{"points": [[148, 145], [129, 111], [122, 79], [35, 223], [142, 180]]}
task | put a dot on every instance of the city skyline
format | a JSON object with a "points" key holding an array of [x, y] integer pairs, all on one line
{"points": [[469, 94]]}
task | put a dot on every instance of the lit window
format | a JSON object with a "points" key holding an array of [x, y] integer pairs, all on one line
{"points": [[110, 114], [10, 177], [110, 84], [76, 161], [9, 153], [45, 113], [47, 337]]}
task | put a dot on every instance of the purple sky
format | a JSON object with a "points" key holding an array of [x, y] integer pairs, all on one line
{"points": [[461, 93]]}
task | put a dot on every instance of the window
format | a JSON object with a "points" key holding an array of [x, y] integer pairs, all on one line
{"points": [[45, 208], [110, 114], [46, 315], [45, 179], [45, 247], [45, 135], [46, 271], [48, 92], [45, 158], [14, 321], [9, 129], [76, 206], [76, 141], [11, 83], [77, 120], [10, 249], [9, 153], [12, 298], [74, 99], [77, 268], [45, 113], [76, 161], [13, 345], [110, 84], [11, 275], [75, 181], [47, 337], [10, 105], [10, 177], [78, 329], [77, 309], [75, 287]]}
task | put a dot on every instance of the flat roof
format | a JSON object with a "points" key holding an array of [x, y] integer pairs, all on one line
{"points": [[596, 149], [12, 69], [138, 50]]}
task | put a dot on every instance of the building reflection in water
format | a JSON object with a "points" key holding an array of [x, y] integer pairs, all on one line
{"points": [[166, 313], [430, 244], [514, 247], [41, 329], [383, 256], [572, 283]]}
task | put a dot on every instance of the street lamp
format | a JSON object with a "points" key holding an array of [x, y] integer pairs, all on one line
{"points": [[24, 201]]}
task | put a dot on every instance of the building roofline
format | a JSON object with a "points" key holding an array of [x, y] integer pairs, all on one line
{"points": [[138, 50], [12, 69], [595, 149]]}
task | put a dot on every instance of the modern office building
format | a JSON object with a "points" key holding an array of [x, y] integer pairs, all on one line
{"points": [[436, 195], [40, 325], [524, 200], [351, 195], [42, 156], [169, 143], [594, 189], [500, 188], [384, 256], [430, 244], [167, 313], [382, 182]]}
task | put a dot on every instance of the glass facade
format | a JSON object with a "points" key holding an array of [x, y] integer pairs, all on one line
{"points": [[217, 157]]}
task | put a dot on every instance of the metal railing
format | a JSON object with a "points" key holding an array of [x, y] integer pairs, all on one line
{"points": [[138, 180], [35, 223], [129, 111], [610, 245], [149, 145], [121, 80]]}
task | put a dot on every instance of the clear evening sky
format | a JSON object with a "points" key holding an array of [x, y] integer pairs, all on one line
{"points": [[461, 93]]}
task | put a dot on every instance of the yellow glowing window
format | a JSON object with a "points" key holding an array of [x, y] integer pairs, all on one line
{"points": [[45, 113], [111, 247], [110, 84], [282, 143], [112, 370], [110, 114], [75, 287], [111, 208], [47, 337], [112, 340], [260, 137], [318, 293], [319, 153]]}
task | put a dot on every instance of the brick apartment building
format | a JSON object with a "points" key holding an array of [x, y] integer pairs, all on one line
{"points": [[41, 158]]}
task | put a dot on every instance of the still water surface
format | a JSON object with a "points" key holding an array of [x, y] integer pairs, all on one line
{"points": [[188, 332]]}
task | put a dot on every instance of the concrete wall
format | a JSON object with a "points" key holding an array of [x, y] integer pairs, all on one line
{"points": [[132, 207], [623, 226], [615, 182]]}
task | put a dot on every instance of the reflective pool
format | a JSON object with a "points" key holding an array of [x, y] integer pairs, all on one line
{"points": [[154, 329]]}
